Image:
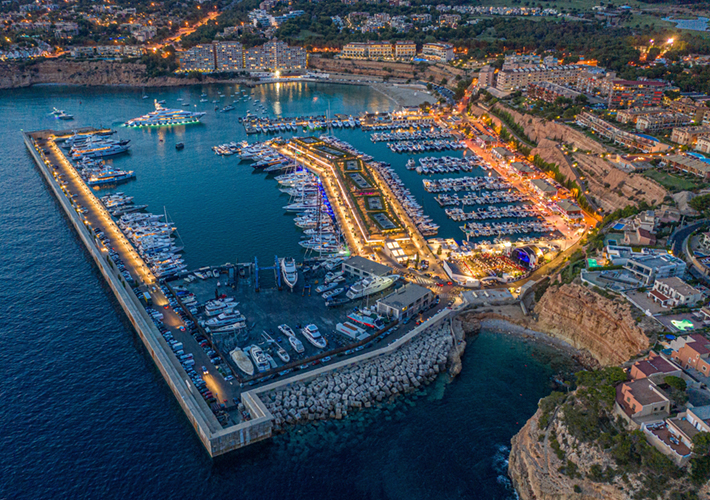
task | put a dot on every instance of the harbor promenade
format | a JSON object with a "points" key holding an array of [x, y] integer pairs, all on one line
{"points": [[71, 192]]}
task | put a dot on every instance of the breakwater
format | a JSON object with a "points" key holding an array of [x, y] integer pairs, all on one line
{"points": [[333, 394]]}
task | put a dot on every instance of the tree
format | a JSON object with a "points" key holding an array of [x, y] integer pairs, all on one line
{"points": [[701, 443], [676, 382]]}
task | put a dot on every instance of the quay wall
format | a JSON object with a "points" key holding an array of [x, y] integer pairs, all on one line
{"points": [[215, 439]]}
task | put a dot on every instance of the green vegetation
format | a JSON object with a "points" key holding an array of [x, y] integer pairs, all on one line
{"points": [[160, 63], [576, 264], [588, 417], [674, 182], [701, 203], [568, 183]]}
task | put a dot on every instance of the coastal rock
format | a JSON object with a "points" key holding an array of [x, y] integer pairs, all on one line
{"points": [[586, 320], [333, 396], [534, 467]]}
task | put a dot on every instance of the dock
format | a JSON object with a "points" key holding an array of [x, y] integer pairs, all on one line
{"points": [[71, 192]]}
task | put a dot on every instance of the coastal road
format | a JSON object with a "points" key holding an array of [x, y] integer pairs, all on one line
{"points": [[677, 239]]}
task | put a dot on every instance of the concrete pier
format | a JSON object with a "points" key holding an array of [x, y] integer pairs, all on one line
{"points": [[216, 439], [330, 391]]}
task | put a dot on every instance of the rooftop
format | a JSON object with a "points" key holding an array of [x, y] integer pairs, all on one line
{"points": [[543, 186], [367, 265], [652, 261], [702, 412], [689, 162], [645, 392], [678, 285], [655, 365], [405, 296], [699, 343]]}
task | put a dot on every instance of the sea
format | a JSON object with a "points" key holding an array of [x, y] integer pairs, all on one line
{"points": [[85, 413]]}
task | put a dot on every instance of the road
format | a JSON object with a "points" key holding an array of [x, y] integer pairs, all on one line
{"points": [[677, 239], [99, 220]]}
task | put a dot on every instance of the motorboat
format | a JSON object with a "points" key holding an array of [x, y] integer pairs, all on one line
{"points": [[286, 330], [371, 285], [242, 361], [312, 335], [289, 272], [259, 358]]}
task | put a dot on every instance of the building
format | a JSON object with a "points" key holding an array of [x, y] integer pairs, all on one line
{"points": [[688, 136], [229, 56], [543, 188], [522, 169], [634, 94], [598, 125], [649, 268], [570, 209], [642, 398], [438, 52], [275, 56], [639, 236], [380, 50], [199, 58], [486, 77], [356, 50], [674, 292], [660, 121], [694, 354], [655, 368], [689, 164], [687, 106], [550, 92], [519, 78], [364, 268], [405, 302], [405, 50], [699, 417], [503, 154], [630, 115]]}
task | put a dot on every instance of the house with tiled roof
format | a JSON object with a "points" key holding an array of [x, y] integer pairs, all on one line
{"points": [[655, 368], [694, 354]]}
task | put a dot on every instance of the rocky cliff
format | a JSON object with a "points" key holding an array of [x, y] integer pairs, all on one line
{"points": [[610, 187], [586, 320], [60, 71], [534, 467]]}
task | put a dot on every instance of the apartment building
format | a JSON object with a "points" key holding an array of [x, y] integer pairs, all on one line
{"points": [[633, 94], [405, 50], [229, 56], [688, 136], [438, 52], [356, 50], [689, 164], [199, 58], [660, 121], [519, 78], [381, 50], [674, 292], [549, 92]]}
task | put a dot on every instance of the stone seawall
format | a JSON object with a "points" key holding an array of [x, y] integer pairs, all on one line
{"points": [[335, 394]]}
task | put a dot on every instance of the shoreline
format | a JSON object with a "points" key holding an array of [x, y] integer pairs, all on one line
{"points": [[502, 326]]}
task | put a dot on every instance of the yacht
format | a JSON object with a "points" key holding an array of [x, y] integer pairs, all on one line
{"points": [[368, 286], [229, 328], [257, 354], [163, 116], [366, 318], [242, 361], [289, 272], [296, 344], [313, 336], [286, 330], [225, 318], [215, 307], [281, 353]]}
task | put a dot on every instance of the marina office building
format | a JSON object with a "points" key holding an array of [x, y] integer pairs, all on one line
{"points": [[231, 56], [405, 302], [364, 268]]}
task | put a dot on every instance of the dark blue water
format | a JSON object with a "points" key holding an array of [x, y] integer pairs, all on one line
{"points": [[85, 414]]}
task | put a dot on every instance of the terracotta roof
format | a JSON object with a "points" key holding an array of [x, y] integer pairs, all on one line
{"points": [[659, 295], [700, 343], [655, 365]]}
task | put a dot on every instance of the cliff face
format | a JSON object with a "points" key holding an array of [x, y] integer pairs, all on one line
{"points": [[534, 466], [610, 187], [61, 71], [586, 320]]}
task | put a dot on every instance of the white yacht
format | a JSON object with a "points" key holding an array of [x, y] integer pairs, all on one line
{"points": [[242, 361], [257, 354], [313, 336], [162, 116], [368, 286], [296, 344], [215, 307], [289, 272], [286, 330]]}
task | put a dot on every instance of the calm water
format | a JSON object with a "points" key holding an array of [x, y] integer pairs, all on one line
{"points": [[85, 414]]}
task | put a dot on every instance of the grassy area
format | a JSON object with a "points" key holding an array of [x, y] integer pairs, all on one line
{"points": [[675, 182]]}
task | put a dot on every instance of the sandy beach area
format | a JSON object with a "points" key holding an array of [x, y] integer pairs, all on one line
{"points": [[405, 95]]}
